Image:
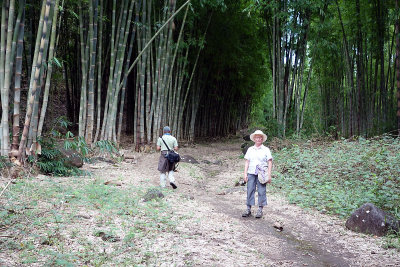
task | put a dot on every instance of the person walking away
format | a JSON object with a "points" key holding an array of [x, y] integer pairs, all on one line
{"points": [[255, 157], [164, 166]]}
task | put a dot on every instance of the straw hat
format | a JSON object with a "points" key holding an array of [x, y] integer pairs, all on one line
{"points": [[258, 132]]}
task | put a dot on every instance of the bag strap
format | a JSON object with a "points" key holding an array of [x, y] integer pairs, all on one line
{"points": [[165, 144]]}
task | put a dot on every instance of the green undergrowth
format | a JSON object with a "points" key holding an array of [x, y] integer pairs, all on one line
{"points": [[338, 177], [79, 222]]}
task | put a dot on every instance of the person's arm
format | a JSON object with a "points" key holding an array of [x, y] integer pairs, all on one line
{"points": [[269, 171], [246, 167], [158, 145], [175, 145]]}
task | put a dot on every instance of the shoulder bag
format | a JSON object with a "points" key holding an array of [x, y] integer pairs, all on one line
{"points": [[171, 155]]}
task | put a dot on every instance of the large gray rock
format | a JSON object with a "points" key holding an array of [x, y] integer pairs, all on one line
{"points": [[189, 159], [369, 219]]}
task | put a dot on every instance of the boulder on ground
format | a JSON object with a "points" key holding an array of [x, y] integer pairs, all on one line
{"points": [[188, 159], [72, 158], [369, 219]]}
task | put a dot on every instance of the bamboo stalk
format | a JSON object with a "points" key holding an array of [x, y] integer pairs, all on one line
{"points": [[155, 35], [49, 68], [7, 81], [92, 53], [17, 87], [22, 148], [84, 62], [33, 128], [128, 59], [110, 79], [99, 71]]}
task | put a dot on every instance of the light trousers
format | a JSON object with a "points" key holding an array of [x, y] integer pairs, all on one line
{"points": [[252, 184], [163, 178]]}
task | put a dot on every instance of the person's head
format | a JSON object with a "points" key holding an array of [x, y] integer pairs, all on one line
{"points": [[258, 137], [166, 129]]}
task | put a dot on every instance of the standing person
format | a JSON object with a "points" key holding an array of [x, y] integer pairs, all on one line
{"points": [[256, 155], [164, 165]]}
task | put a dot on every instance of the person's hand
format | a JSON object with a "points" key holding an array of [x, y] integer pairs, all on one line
{"points": [[245, 178], [269, 180]]}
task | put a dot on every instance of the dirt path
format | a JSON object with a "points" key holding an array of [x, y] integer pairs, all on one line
{"points": [[211, 231]]}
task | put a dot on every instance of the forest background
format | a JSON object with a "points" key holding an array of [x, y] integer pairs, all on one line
{"points": [[105, 73], [205, 67]]}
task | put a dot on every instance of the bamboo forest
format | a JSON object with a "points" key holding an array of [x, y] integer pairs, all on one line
{"points": [[207, 68], [200, 133]]}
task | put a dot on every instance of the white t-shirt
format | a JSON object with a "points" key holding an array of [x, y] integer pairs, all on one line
{"points": [[256, 155]]}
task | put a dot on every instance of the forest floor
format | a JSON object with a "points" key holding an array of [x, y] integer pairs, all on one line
{"points": [[198, 224]]}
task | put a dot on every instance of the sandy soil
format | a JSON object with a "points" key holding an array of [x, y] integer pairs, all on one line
{"points": [[213, 233]]}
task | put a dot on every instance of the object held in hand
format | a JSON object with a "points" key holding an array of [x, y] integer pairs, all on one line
{"points": [[262, 172]]}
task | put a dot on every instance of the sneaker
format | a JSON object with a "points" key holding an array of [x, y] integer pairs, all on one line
{"points": [[247, 213], [259, 214], [173, 185]]}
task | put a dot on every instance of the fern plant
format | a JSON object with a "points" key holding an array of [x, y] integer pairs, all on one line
{"points": [[53, 161]]}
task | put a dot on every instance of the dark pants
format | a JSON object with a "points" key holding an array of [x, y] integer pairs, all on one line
{"points": [[252, 183]]}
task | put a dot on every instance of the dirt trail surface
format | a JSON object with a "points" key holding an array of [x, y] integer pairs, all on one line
{"points": [[211, 231]]}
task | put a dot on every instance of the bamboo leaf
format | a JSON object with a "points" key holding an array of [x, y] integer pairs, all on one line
{"points": [[57, 62]]}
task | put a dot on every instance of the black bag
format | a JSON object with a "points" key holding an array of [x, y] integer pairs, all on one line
{"points": [[171, 155]]}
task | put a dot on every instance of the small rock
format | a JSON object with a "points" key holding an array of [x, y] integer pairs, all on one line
{"points": [[152, 194], [241, 182], [108, 237], [83, 216], [116, 183], [278, 226]]}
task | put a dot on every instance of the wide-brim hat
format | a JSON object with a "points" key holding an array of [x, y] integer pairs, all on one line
{"points": [[258, 132]]}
